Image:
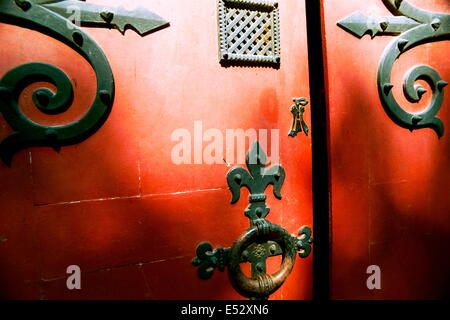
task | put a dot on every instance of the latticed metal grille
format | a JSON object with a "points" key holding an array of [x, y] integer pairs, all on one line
{"points": [[249, 31]]}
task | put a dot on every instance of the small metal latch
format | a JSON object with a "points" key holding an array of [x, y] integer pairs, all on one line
{"points": [[298, 124]]}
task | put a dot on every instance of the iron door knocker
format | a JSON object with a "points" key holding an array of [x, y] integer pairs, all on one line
{"points": [[262, 241]]}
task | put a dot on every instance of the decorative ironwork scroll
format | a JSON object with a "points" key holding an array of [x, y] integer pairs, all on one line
{"points": [[51, 17], [249, 32], [262, 241], [413, 27]]}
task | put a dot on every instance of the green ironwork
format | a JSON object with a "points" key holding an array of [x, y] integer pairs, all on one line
{"points": [[413, 27], [208, 259], [50, 17], [249, 32], [303, 243], [261, 285], [140, 19], [256, 180], [262, 241]]}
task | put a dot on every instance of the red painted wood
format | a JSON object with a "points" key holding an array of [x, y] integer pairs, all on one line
{"points": [[116, 205], [389, 187]]}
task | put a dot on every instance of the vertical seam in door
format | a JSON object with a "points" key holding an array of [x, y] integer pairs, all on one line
{"points": [[320, 156]]}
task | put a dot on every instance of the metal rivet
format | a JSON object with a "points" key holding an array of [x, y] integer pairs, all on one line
{"points": [[273, 249], [436, 23], [441, 84], [108, 16], [51, 134], [238, 179], [5, 92], [416, 119], [260, 267], [387, 87], [401, 44], [398, 3], [245, 255], [23, 4], [105, 97], [42, 98], [258, 212], [421, 91], [78, 38]]}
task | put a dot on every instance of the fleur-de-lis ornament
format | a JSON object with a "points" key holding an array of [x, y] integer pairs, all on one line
{"points": [[256, 180]]}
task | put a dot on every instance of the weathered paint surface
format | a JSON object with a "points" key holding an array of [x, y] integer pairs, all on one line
{"points": [[390, 188]]}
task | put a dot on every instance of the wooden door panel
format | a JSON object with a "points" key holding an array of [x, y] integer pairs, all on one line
{"points": [[389, 186]]}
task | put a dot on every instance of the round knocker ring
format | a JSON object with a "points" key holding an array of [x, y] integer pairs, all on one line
{"points": [[262, 285]]}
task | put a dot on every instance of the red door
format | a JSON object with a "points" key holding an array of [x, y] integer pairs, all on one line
{"points": [[390, 192], [130, 204], [129, 200]]}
